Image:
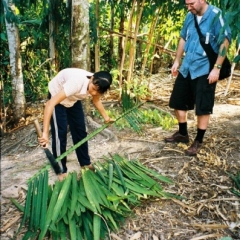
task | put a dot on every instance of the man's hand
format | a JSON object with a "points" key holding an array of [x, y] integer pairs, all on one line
{"points": [[213, 75], [174, 69]]}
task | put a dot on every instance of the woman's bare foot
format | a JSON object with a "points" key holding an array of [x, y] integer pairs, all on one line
{"points": [[90, 167], [62, 176]]}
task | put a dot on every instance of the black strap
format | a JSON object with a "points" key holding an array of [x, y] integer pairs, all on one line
{"points": [[197, 27], [212, 56]]}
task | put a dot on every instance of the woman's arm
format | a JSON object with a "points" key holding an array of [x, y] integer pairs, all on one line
{"points": [[98, 104], [48, 110]]}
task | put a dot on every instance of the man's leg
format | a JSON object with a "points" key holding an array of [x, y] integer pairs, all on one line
{"points": [[181, 100], [182, 134], [205, 93], [202, 125], [182, 122], [202, 121], [181, 115]]}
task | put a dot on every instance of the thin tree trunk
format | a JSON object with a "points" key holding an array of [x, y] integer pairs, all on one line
{"points": [[125, 43], [133, 47], [150, 36], [19, 102], [52, 34], [111, 51], [154, 52], [121, 38], [96, 47]]}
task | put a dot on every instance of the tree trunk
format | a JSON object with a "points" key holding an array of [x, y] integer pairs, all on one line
{"points": [[128, 34], [80, 40], [53, 30], [133, 46], [150, 36], [97, 58], [80, 34], [111, 43], [121, 38], [19, 102]]}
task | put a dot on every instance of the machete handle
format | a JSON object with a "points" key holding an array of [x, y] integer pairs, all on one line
{"points": [[55, 165], [38, 128]]}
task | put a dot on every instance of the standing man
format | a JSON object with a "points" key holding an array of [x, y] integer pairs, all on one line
{"points": [[195, 84]]}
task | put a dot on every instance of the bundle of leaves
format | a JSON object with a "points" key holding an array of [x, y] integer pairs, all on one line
{"points": [[89, 205]]}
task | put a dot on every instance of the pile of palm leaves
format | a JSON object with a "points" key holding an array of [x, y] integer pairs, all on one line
{"points": [[91, 205]]}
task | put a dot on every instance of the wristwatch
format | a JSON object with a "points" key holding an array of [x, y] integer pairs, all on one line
{"points": [[218, 66]]}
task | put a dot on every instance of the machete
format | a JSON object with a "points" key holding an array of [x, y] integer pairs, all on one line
{"points": [[55, 165]]}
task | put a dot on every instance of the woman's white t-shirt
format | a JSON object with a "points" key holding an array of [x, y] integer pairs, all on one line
{"points": [[74, 82]]}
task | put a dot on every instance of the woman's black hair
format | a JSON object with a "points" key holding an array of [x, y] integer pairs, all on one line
{"points": [[102, 80]]}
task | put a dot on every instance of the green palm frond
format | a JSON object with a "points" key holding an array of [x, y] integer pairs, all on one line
{"points": [[134, 116]]}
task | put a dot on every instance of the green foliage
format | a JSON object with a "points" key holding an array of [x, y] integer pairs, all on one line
{"points": [[5, 68], [157, 118], [136, 90], [148, 117], [115, 74], [236, 182], [32, 18], [137, 117], [9, 14], [34, 35]]}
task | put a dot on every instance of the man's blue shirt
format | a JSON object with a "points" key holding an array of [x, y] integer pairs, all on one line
{"points": [[214, 28]]}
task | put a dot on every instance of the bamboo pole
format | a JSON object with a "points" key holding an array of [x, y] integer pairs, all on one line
{"points": [[111, 42], [150, 36], [154, 51], [96, 47], [128, 36], [125, 44], [133, 46]]}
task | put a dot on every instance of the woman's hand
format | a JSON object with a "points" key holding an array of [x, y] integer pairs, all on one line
{"points": [[44, 140], [109, 120]]}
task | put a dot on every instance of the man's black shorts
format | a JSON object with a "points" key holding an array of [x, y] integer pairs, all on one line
{"points": [[187, 93]]}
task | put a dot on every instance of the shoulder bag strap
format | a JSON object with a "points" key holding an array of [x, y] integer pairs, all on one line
{"points": [[207, 47]]}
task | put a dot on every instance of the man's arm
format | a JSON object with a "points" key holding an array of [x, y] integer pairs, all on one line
{"points": [[215, 72], [223, 49], [179, 54]]}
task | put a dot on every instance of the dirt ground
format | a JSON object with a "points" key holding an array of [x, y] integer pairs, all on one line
{"points": [[209, 210]]}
